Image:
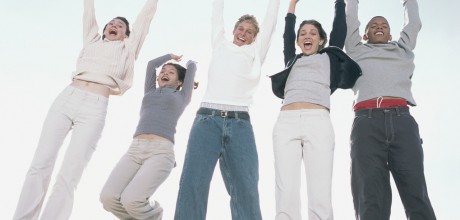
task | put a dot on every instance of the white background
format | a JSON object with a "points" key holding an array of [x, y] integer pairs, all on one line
{"points": [[40, 41]]}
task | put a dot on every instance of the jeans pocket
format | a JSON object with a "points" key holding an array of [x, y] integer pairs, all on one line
{"points": [[357, 120]]}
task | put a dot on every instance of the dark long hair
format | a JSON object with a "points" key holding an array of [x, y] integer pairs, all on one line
{"points": [[322, 32], [181, 74]]}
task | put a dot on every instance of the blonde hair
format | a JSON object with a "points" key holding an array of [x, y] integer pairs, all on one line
{"points": [[249, 18]]}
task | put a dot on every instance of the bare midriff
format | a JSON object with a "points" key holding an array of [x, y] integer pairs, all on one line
{"points": [[91, 87], [150, 136], [302, 105]]}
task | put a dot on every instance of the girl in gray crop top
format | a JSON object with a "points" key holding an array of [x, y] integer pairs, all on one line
{"points": [[303, 131], [150, 158]]}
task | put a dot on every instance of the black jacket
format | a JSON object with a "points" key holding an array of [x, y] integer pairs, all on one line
{"points": [[344, 70]]}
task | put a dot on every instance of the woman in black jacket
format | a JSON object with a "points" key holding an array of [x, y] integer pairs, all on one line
{"points": [[303, 130]]}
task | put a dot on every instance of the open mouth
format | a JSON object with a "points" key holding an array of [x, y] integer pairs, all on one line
{"points": [[379, 33], [112, 32], [164, 78], [307, 45], [242, 39]]}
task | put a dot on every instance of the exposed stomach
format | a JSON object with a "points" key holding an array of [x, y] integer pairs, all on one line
{"points": [[92, 87], [150, 136], [302, 105]]}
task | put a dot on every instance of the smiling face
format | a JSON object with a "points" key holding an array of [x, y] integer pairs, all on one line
{"points": [[245, 30], [309, 39], [377, 31], [168, 77], [115, 30], [244, 33]]}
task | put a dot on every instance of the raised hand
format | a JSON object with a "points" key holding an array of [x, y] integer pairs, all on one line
{"points": [[175, 57], [292, 5], [190, 62]]}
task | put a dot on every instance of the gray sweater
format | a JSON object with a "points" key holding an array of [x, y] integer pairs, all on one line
{"points": [[387, 68], [162, 107]]}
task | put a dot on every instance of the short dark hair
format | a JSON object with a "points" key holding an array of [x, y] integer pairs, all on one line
{"points": [[124, 21], [378, 16], [322, 32]]}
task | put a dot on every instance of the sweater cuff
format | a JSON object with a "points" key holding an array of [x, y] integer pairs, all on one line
{"points": [[290, 15]]}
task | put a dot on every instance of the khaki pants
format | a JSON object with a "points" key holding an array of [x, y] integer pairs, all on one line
{"points": [[138, 174]]}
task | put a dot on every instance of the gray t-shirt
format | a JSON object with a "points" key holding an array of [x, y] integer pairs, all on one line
{"points": [[162, 107], [309, 81]]}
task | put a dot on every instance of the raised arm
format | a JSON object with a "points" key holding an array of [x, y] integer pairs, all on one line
{"points": [[412, 23], [267, 29], [353, 38], [217, 22], [289, 36], [189, 81], [142, 25], [339, 25], [151, 72], [90, 27]]}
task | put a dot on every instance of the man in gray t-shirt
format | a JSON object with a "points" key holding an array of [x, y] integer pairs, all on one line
{"points": [[385, 137]]}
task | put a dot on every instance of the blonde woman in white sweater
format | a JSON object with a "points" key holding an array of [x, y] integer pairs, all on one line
{"points": [[104, 67]]}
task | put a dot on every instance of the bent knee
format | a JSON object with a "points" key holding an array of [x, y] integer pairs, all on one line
{"points": [[135, 207], [109, 200]]}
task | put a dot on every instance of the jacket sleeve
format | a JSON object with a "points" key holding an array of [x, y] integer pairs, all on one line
{"points": [[289, 38], [339, 25]]}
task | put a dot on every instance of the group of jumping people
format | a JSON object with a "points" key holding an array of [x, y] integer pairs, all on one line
{"points": [[384, 137]]}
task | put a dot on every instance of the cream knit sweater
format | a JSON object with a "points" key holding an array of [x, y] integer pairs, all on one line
{"points": [[111, 63]]}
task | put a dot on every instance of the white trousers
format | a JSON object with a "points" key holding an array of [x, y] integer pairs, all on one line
{"points": [[83, 113], [303, 135], [138, 174]]}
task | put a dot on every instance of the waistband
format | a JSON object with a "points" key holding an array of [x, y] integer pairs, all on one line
{"points": [[77, 92], [381, 103], [224, 114], [224, 107], [380, 111]]}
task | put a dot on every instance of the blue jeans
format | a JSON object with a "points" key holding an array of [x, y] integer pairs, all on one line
{"points": [[231, 141], [385, 140]]}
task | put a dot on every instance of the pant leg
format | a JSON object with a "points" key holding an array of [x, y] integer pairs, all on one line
{"points": [[370, 177], [203, 150], [240, 169], [119, 178], [406, 165], [318, 155], [287, 147], [156, 166], [89, 120], [55, 128]]}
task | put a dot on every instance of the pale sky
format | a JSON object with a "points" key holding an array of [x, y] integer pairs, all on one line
{"points": [[41, 41]]}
